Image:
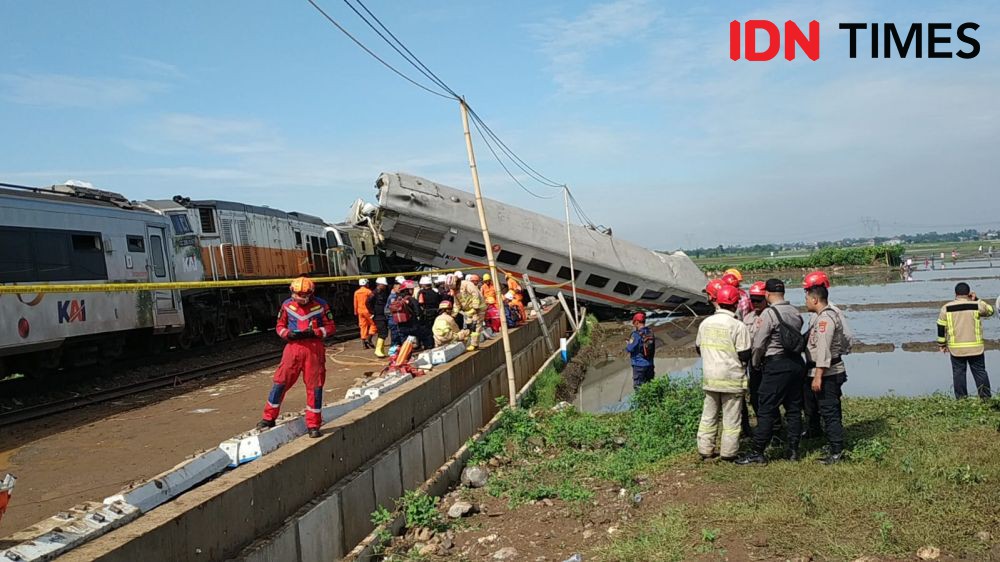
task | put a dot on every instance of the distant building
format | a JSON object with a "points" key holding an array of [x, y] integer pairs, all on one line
{"points": [[894, 242]]}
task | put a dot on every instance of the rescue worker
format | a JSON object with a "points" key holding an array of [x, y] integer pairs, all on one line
{"points": [[377, 303], [514, 318], [488, 289], [960, 332], [824, 354], [752, 321], [365, 321], [394, 338], [405, 312], [782, 373], [492, 318], [519, 311], [712, 289], [303, 321], [733, 277], [445, 328], [641, 347], [810, 401], [513, 285], [473, 307], [428, 299], [723, 342]]}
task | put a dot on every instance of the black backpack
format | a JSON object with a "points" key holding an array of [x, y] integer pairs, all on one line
{"points": [[792, 340], [648, 343]]}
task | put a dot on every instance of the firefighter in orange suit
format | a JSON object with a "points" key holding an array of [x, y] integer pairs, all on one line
{"points": [[303, 321], [365, 320]]}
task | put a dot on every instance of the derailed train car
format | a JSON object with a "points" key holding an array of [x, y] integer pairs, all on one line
{"points": [[80, 235], [436, 224]]}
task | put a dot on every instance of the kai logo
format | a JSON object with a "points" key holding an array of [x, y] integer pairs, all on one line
{"points": [[72, 311]]}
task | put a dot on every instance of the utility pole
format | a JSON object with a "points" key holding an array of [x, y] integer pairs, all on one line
{"points": [[572, 272], [511, 382]]}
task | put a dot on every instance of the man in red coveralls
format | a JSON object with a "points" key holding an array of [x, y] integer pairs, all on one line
{"points": [[303, 321]]}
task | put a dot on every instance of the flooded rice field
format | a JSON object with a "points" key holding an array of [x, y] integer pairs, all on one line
{"points": [[900, 314]]}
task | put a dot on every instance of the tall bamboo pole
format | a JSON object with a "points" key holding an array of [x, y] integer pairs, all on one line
{"points": [[572, 272], [511, 382]]}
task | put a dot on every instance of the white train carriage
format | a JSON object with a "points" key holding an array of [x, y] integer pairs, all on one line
{"points": [[74, 235], [435, 224]]}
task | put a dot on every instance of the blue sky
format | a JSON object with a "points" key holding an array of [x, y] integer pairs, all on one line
{"points": [[635, 104]]}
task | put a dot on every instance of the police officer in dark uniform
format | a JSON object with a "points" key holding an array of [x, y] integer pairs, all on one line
{"points": [[783, 370], [825, 350]]}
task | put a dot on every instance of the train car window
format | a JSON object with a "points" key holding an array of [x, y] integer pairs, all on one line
{"points": [[623, 288], [181, 224], [17, 263], [159, 264], [651, 295], [509, 258], [207, 220], [564, 273], [676, 300], [86, 243], [476, 249], [136, 244], [298, 238], [596, 280], [540, 266]]}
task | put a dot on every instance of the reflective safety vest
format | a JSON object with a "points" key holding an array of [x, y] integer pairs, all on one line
{"points": [[960, 326]]}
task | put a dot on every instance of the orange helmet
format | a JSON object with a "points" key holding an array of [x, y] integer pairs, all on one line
{"points": [[728, 295], [757, 289], [713, 288], [731, 280], [735, 273], [303, 285], [816, 279]]}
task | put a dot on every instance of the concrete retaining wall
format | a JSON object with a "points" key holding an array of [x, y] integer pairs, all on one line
{"points": [[313, 498]]}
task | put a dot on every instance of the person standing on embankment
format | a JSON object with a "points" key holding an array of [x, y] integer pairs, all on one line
{"points": [[723, 342], [960, 332], [641, 347]]}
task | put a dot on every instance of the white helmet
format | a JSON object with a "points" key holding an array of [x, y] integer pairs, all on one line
{"points": [[362, 282], [400, 279], [441, 279], [509, 296], [425, 280], [459, 274], [381, 281]]}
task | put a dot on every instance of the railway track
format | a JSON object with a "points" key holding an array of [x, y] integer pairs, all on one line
{"points": [[47, 409]]}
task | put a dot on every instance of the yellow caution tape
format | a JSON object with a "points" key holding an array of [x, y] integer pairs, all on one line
{"points": [[185, 285]]}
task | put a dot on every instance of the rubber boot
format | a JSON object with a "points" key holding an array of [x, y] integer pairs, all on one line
{"points": [[380, 347], [473, 342], [366, 343]]}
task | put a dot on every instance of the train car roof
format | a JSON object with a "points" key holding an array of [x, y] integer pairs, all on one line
{"points": [[170, 205], [50, 194], [432, 201]]}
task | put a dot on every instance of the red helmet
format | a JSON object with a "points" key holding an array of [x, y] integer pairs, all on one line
{"points": [[728, 295], [757, 289], [731, 280], [815, 279], [713, 288], [639, 317]]}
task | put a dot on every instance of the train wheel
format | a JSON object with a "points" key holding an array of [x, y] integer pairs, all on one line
{"points": [[233, 329], [185, 340], [208, 334]]}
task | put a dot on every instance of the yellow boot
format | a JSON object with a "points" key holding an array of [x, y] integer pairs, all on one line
{"points": [[473, 342], [380, 347]]}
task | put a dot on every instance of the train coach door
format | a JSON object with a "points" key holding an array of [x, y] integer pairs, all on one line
{"points": [[165, 311]]}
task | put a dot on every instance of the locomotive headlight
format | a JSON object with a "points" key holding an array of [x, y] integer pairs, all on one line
{"points": [[23, 328]]}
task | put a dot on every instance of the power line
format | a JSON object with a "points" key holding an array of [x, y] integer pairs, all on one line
{"points": [[376, 57], [504, 166], [514, 157]]}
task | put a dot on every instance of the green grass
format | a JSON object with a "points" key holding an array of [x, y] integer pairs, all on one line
{"points": [[824, 257], [662, 538]]}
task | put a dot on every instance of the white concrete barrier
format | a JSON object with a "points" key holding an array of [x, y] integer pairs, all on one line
{"points": [[177, 480], [69, 529]]}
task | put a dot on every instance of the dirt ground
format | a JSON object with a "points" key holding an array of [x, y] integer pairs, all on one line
{"points": [[93, 452]]}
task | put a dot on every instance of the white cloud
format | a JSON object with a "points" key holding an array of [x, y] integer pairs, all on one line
{"points": [[63, 90], [155, 67], [183, 132]]}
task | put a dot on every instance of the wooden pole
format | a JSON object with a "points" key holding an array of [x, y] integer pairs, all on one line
{"points": [[511, 381], [538, 312], [572, 272]]}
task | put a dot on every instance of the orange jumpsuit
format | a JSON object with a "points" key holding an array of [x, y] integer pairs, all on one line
{"points": [[304, 327], [518, 304], [365, 320], [489, 290]]}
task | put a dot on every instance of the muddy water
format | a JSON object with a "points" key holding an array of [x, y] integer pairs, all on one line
{"points": [[609, 385]]}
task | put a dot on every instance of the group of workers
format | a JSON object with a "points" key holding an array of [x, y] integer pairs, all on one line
{"points": [[459, 308], [448, 308], [754, 344]]}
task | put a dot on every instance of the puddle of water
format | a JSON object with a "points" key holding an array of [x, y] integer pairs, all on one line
{"points": [[608, 387], [937, 285]]}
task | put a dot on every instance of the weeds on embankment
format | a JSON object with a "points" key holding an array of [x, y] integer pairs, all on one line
{"points": [[824, 257], [920, 472]]}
